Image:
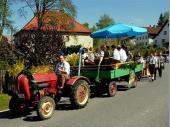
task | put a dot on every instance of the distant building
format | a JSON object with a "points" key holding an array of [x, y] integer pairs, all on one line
{"points": [[148, 38], [77, 35], [162, 38]]}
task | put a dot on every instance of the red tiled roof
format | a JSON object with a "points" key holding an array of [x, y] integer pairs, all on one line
{"points": [[58, 19], [153, 30]]}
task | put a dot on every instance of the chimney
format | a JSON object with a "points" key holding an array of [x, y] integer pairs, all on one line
{"points": [[150, 26]]}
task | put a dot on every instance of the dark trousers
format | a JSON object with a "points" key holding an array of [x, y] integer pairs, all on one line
{"points": [[152, 70], [159, 72]]}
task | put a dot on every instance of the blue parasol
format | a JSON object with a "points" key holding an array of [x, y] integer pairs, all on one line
{"points": [[118, 30]]}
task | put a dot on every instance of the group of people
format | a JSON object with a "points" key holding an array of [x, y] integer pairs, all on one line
{"points": [[103, 55], [154, 63]]}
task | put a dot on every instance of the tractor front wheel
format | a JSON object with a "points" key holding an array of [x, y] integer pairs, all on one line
{"points": [[46, 107], [80, 93], [16, 106]]}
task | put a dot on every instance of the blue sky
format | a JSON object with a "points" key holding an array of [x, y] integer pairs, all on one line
{"points": [[136, 12]]}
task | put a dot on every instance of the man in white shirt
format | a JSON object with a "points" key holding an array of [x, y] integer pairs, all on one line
{"points": [[116, 55], [122, 52], [62, 70]]}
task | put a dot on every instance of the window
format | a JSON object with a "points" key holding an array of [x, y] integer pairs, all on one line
{"points": [[137, 38], [165, 32], [155, 41], [143, 38], [67, 38], [146, 43], [146, 37], [163, 40]]}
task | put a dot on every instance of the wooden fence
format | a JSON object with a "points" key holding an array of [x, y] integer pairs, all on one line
{"points": [[7, 83], [2, 79]]}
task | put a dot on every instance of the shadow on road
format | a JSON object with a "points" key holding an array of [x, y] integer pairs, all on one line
{"points": [[122, 88], [32, 117], [9, 115], [6, 115], [64, 105]]}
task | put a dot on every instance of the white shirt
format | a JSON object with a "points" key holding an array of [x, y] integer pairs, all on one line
{"points": [[85, 55], [123, 56], [91, 56], [63, 66], [152, 60], [116, 54], [101, 53]]}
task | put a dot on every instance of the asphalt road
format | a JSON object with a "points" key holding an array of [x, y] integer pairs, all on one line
{"points": [[144, 106]]}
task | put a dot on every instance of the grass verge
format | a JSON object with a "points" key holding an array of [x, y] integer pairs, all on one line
{"points": [[4, 101]]}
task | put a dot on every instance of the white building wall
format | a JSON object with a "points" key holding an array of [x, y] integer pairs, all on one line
{"points": [[163, 36], [84, 40], [142, 39]]}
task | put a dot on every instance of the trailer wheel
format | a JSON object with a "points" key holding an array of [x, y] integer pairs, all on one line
{"points": [[111, 89], [46, 107], [16, 107], [80, 93]]}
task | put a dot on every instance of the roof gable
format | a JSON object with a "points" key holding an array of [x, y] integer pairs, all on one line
{"points": [[57, 20], [167, 21]]}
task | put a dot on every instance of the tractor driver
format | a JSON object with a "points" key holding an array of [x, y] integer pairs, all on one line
{"points": [[62, 70]]}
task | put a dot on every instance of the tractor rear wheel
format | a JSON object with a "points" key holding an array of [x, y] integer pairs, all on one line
{"points": [[46, 107], [111, 89], [80, 93]]}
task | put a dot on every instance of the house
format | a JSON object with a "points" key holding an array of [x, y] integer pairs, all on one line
{"points": [[72, 31], [148, 38], [162, 38]]}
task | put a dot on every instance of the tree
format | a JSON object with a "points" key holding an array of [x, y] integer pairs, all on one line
{"points": [[42, 44], [104, 21], [5, 14], [166, 16], [7, 55], [93, 28], [163, 18], [86, 25]]}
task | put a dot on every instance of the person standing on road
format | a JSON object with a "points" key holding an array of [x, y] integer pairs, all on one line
{"points": [[160, 64], [152, 61]]}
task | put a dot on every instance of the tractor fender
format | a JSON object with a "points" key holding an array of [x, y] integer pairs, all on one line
{"points": [[73, 79], [23, 84]]}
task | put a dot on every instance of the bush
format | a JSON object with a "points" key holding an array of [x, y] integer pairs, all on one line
{"points": [[73, 59], [71, 49], [3, 65]]}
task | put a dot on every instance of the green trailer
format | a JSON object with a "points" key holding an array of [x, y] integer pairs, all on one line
{"points": [[103, 78]]}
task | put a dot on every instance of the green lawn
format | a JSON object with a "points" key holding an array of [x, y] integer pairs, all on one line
{"points": [[4, 101]]}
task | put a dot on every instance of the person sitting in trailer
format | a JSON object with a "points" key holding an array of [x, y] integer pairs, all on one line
{"points": [[88, 57], [122, 52], [115, 55], [104, 55]]}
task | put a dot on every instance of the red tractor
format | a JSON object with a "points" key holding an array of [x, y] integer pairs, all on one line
{"points": [[39, 92]]}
